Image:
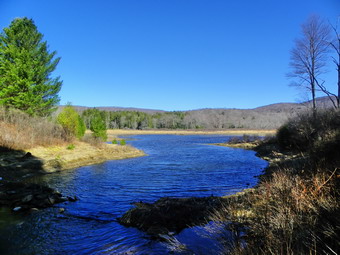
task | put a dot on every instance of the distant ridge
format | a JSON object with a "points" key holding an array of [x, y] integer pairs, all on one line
{"points": [[322, 102], [265, 117]]}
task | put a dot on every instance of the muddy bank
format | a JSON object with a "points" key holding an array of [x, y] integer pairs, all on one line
{"points": [[168, 215]]}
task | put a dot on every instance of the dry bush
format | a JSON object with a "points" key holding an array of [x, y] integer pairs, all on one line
{"points": [[295, 208], [285, 215], [291, 215], [20, 131], [306, 131], [244, 139], [94, 141]]}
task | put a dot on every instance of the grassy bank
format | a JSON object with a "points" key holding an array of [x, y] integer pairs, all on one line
{"points": [[31, 146], [295, 207], [80, 154], [34, 145]]}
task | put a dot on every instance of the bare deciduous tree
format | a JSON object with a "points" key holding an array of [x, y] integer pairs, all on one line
{"points": [[308, 57], [335, 44]]}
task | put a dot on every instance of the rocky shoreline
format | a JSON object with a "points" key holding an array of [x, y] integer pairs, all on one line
{"points": [[27, 197], [16, 167]]}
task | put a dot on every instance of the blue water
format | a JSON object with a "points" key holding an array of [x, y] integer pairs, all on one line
{"points": [[175, 166]]}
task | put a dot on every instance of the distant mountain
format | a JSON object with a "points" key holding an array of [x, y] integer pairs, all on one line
{"points": [[322, 102]]}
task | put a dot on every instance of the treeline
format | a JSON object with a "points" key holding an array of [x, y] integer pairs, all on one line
{"points": [[199, 119], [137, 120]]}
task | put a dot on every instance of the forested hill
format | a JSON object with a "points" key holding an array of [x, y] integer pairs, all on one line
{"points": [[265, 117], [113, 109]]}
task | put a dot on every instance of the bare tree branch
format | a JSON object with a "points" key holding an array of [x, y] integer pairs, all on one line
{"points": [[335, 44], [308, 57]]}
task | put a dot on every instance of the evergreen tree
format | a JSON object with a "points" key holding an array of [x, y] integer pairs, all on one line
{"points": [[25, 70], [81, 127], [98, 125]]}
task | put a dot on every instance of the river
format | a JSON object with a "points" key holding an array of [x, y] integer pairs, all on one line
{"points": [[176, 166]]}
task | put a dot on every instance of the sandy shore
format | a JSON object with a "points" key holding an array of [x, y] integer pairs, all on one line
{"points": [[116, 132]]}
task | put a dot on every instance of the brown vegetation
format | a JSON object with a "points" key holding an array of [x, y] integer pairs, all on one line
{"points": [[50, 148], [19, 131], [234, 132], [62, 157], [295, 207]]}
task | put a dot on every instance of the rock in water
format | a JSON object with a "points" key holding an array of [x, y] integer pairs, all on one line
{"points": [[18, 208], [24, 196]]}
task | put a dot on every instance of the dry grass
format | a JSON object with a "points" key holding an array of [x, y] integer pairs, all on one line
{"points": [[295, 208], [61, 157], [238, 132], [287, 214], [50, 144], [19, 131]]}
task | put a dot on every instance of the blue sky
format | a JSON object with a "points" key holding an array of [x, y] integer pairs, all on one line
{"points": [[173, 54]]}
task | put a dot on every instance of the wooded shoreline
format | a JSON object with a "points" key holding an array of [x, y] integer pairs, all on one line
{"points": [[231, 132]]}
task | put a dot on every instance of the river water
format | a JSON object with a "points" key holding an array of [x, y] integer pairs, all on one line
{"points": [[176, 166]]}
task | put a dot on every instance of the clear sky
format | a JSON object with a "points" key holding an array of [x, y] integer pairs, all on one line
{"points": [[173, 54]]}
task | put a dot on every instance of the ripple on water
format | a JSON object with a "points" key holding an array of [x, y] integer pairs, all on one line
{"points": [[176, 166]]}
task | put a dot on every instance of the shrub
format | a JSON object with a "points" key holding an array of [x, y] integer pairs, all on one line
{"points": [[114, 141], [122, 142], [21, 131], [72, 123], [287, 214], [294, 215], [94, 141], [306, 131], [81, 127], [244, 139], [71, 147]]}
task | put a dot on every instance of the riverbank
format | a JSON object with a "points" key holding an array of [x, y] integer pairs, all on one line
{"points": [[294, 206], [231, 132], [20, 164], [81, 154], [170, 215]]}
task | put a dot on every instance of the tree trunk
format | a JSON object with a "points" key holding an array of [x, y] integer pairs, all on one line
{"points": [[313, 90], [338, 99]]}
